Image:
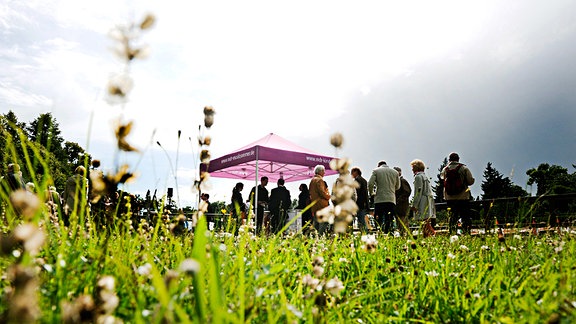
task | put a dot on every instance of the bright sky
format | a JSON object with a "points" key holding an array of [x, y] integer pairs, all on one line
{"points": [[493, 80]]}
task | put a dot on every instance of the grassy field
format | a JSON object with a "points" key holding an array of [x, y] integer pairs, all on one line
{"points": [[52, 274]]}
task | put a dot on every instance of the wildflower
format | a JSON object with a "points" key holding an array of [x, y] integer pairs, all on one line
{"points": [[25, 203], [451, 256], [190, 266], [341, 165], [144, 270], [453, 238], [334, 286], [32, 237], [485, 247], [83, 309], [325, 215], [464, 248], [370, 242], [432, 273], [318, 271], [22, 300], [106, 283], [318, 261], [517, 237], [310, 281], [294, 310]]}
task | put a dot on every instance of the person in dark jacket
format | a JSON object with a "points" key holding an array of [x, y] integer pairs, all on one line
{"points": [[279, 205], [362, 199], [403, 203], [303, 202]]}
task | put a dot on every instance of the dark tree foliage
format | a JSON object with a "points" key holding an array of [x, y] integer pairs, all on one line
{"points": [[75, 155], [495, 185], [438, 187], [552, 179], [45, 131], [11, 149]]}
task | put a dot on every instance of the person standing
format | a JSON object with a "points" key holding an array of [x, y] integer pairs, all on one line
{"points": [[303, 202], [13, 180], [262, 202], [319, 193], [75, 195], [423, 202], [361, 198], [279, 204], [457, 179], [402, 203], [386, 181], [238, 206]]}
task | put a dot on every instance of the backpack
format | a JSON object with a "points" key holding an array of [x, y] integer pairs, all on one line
{"points": [[453, 182]]}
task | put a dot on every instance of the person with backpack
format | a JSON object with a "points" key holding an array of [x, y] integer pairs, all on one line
{"points": [[457, 178]]}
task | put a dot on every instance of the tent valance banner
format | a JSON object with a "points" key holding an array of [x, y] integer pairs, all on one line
{"points": [[271, 156]]}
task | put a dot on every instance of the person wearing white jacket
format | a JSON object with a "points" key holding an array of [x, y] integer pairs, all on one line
{"points": [[423, 201]]}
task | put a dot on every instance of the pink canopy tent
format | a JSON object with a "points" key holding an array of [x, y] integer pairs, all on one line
{"points": [[270, 156]]}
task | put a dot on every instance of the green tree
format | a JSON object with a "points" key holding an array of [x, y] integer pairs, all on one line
{"points": [[45, 131], [552, 179], [495, 185], [76, 155], [11, 150], [438, 187]]}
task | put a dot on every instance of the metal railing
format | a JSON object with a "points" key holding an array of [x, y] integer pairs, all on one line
{"points": [[539, 211]]}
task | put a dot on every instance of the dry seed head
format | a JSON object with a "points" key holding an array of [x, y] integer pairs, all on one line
{"points": [[205, 156], [206, 140], [209, 111], [122, 131], [337, 140], [119, 86], [148, 22]]}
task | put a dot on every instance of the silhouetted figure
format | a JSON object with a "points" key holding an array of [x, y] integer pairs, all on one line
{"points": [[279, 205]]}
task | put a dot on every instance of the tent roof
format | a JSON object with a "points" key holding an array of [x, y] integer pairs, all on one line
{"points": [[276, 158]]}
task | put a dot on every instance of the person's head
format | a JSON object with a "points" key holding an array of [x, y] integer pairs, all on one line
{"points": [[264, 181], [80, 170], [319, 170], [355, 171], [417, 165], [454, 157], [303, 187], [381, 163], [280, 182], [398, 170], [239, 186]]}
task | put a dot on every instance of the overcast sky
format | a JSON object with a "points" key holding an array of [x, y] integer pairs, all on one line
{"points": [[492, 80]]}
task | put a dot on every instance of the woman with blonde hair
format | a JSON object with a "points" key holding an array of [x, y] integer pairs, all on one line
{"points": [[423, 201]]}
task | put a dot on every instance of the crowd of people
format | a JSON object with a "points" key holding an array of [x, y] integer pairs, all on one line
{"points": [[386, 189]]}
